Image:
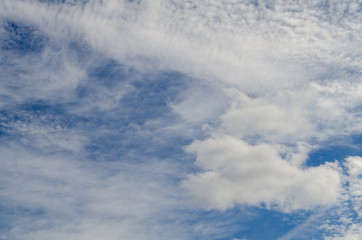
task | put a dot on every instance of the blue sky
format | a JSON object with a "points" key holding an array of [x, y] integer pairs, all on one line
{"points": [[229, 120]]}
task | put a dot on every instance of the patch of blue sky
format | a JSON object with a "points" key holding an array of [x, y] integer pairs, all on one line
{"points": [[244, 222], [20, 38], [11, 216], [269, 224], [336, 150], [150, 99], [126, 123]]}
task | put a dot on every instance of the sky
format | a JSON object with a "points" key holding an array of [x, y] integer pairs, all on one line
{"points": [[183, 120]]}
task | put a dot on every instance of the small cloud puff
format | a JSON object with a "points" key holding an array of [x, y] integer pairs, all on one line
{"points": [[354, 165]]}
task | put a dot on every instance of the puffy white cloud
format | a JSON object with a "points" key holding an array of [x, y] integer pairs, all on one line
{"points": [[342, 221], [250, 117], [235, 172], [354, 165]]}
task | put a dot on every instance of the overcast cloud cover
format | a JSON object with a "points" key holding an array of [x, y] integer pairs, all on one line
{"points": [[180, 119]]}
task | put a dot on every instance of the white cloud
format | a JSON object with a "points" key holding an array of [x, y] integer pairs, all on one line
{"points": [[354, 165], [250, 117], [341, 221], [235, 172], [185, 37], [200, 103], [353, 232], [60, 197]]}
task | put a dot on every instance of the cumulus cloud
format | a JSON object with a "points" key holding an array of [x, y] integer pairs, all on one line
{"points": [[354, 166], [341, 221], [238, 173]]}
